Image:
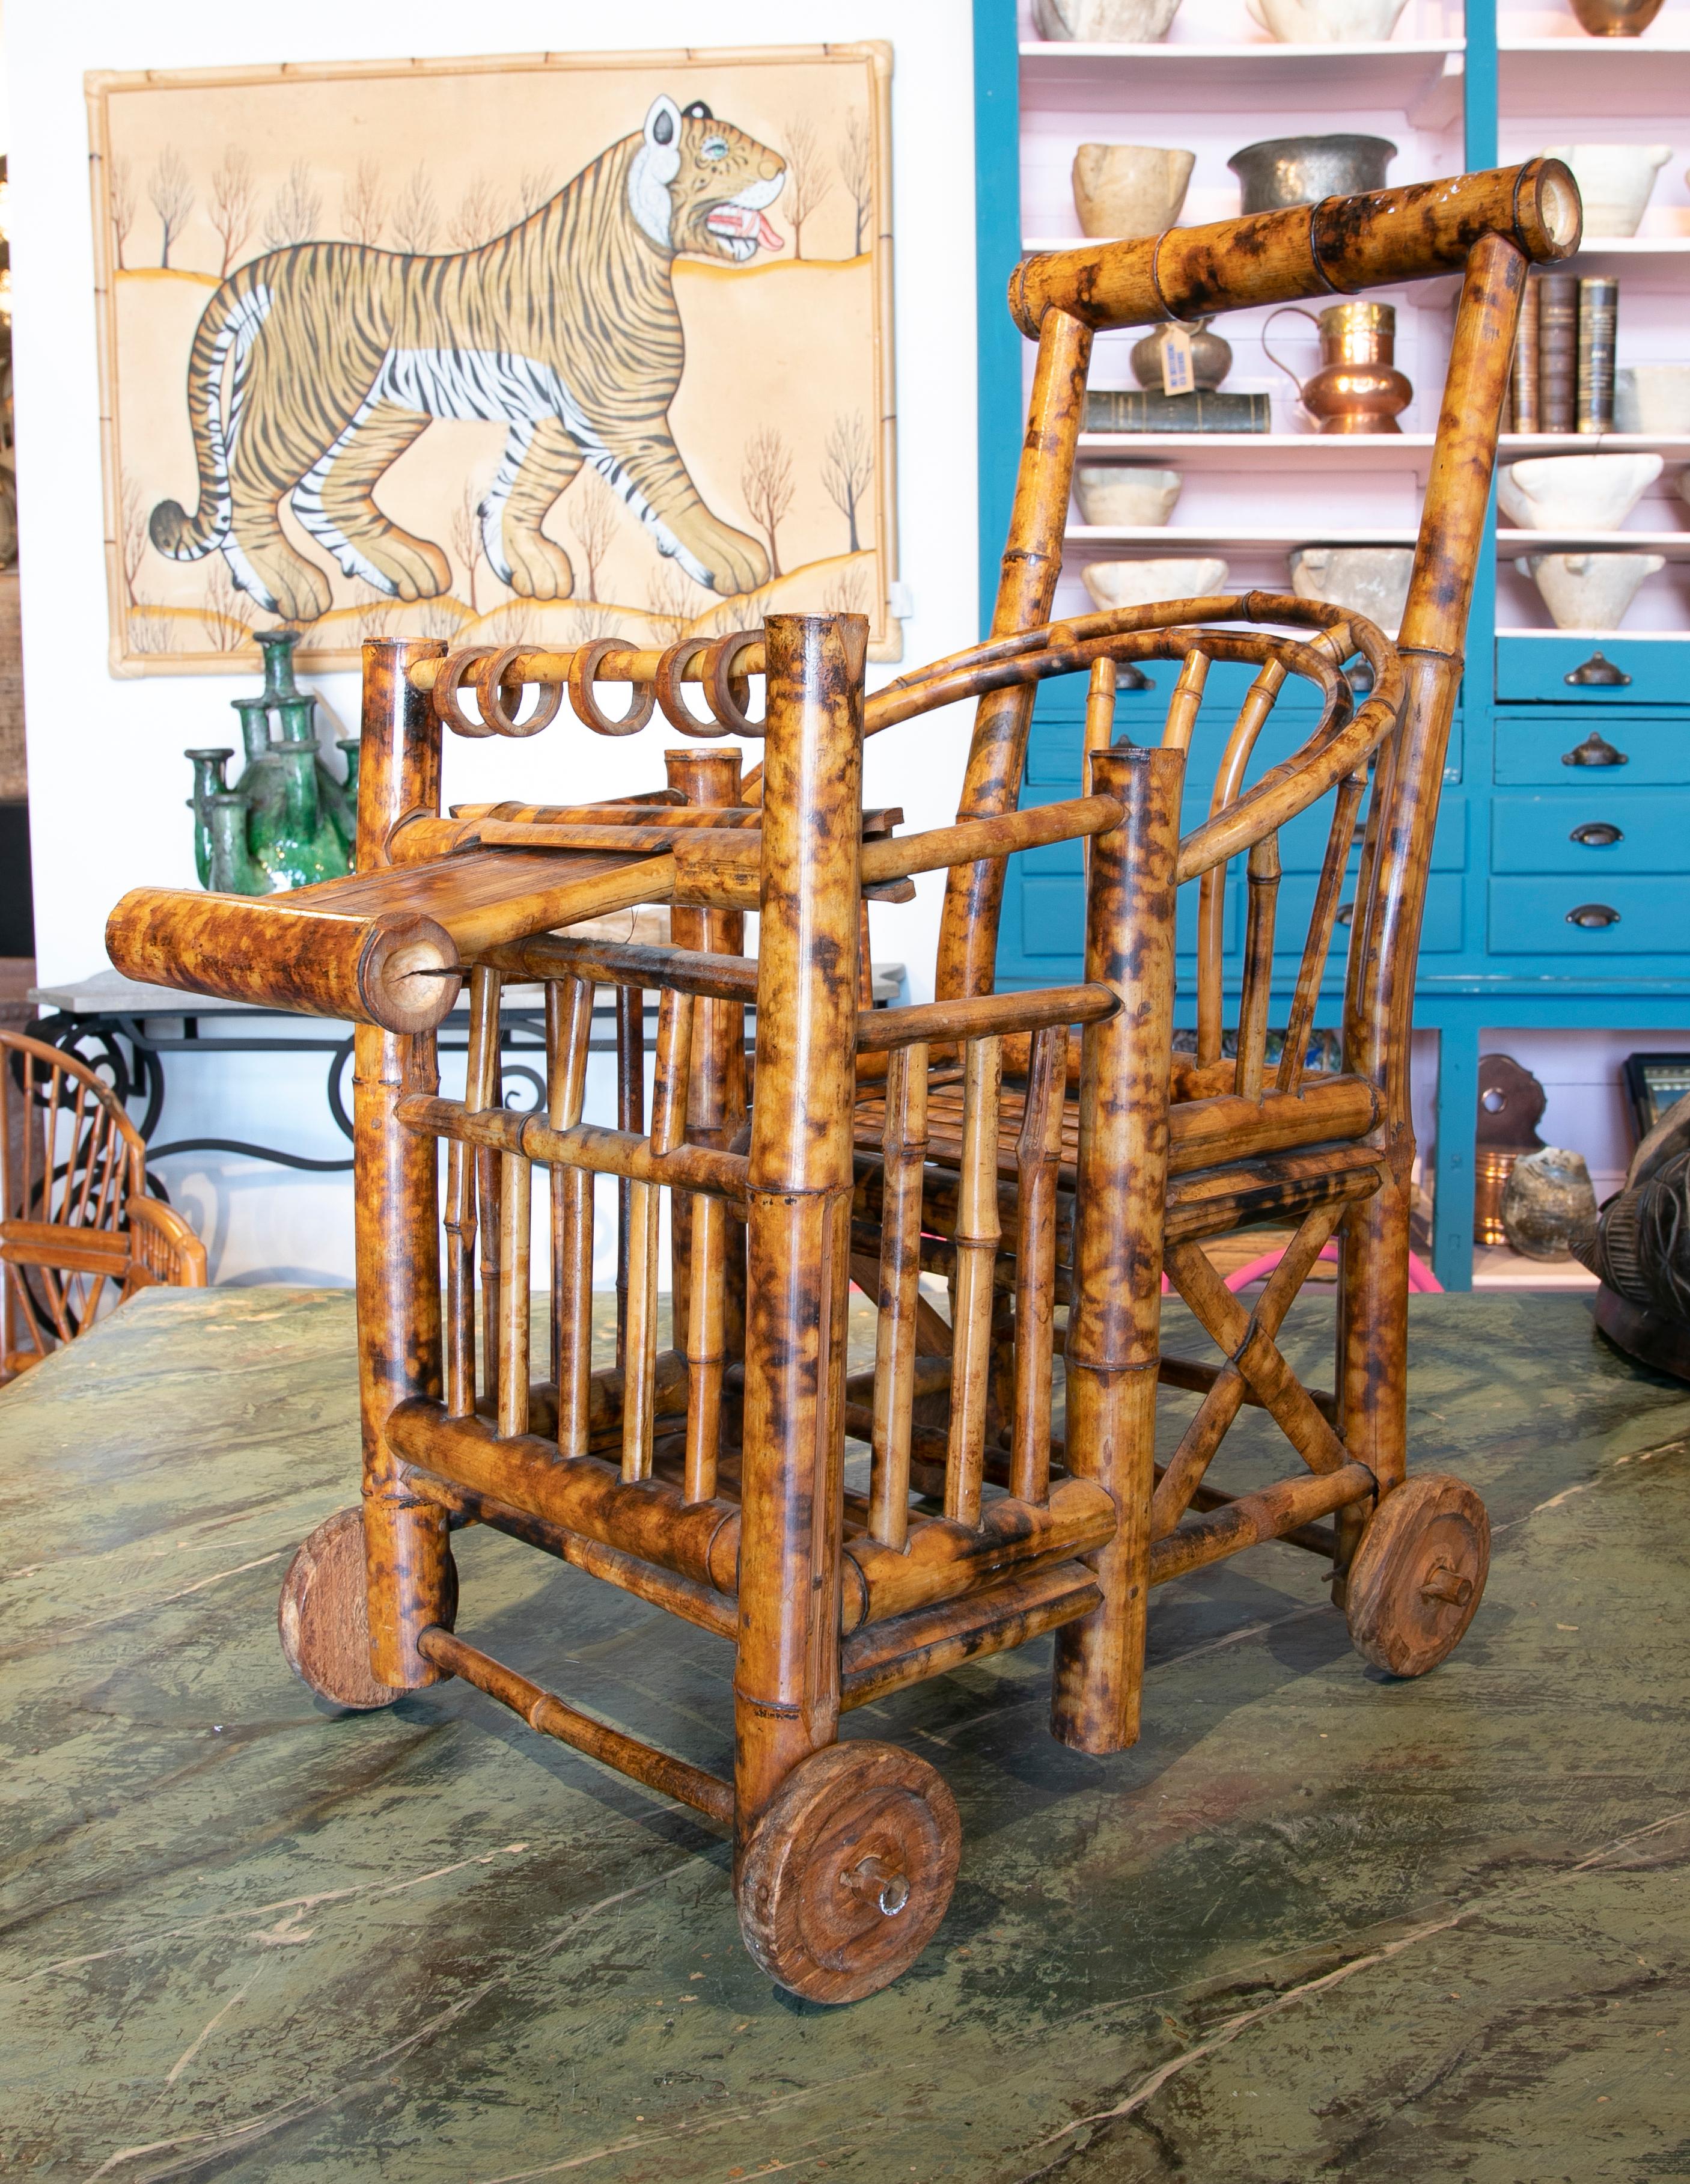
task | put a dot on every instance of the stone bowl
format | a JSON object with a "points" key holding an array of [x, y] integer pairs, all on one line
{"points": [[1652, 397], [1106, 22], [1574, 492], [1327, 22], [1147, 583], [1548, 1194], [1126, 494], [1294, 170], [1615, 181], [1122, 191], [1589, 591], [1367, 579]]}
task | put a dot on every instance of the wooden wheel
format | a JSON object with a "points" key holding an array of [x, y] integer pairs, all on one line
{"points": [[849, 1872], [323, 1614], [1419, 1574]]}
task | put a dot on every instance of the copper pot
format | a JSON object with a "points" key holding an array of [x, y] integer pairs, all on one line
{"points": [[1358, 388], [1615, 19]]}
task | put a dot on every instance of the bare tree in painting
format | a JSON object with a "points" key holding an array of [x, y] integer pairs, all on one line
{"points": [[227, 614], [669, 602], [295, 211], [132, 535], [847, 463], [533, 189], [855, 161], [765, 479], [466, 538], [480, 215], [172, 194], [593, 518], [121, 193], [416, 216], [364, 204], [808, 180], [229, 205], [844, 593]]}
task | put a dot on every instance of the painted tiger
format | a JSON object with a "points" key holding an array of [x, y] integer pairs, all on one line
{"points": [[565, 328]]}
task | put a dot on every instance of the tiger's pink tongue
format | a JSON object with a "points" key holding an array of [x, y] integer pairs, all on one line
{"points": [[742, 219], [767, 235]]}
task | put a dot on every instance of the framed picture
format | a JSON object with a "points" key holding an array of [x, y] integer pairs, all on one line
{"points": [[1652, 1083], [525, 350]]}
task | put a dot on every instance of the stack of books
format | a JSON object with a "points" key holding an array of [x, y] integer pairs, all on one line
{"points": [[1563, 376], [1140, 409]]}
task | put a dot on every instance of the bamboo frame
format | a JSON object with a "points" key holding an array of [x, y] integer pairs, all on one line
{"points": [[958, 1136]]}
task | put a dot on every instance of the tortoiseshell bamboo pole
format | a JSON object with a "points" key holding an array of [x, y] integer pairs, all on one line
{"points": [[1373, 1287], [569, 1038], [489, 987], [1295, 1053], [1099, 731], [1038, 1158], [464, 1165], [396, 1211], [1185, 702], [515, 1245], [1114, 1321], [668, 1124], [631, 1116], [975, 1238], [1211, 916], [903, 1152], [1031, 562], [1257, 994], [786, 1680], [700, 1225]]}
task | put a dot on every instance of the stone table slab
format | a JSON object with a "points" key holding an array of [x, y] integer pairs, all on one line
{"points": [[1316, 1924]]}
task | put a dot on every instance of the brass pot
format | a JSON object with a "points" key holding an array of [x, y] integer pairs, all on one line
{"points": [[1615, 19], [1358, 388], [1211, 359]]}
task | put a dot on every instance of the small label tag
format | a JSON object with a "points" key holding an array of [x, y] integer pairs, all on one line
{"points": [[1176, 365]]}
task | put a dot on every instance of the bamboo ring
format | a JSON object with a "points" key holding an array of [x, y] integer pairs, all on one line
{"points": [[670, 669], [454, 669], [728, 695], [583, 668], [490, 682]]}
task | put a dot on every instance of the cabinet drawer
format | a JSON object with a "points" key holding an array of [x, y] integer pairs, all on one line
{"points": [[1053, 913], [1440, 927], [1574, 832], [1540, 747], [1530, 917], [1535, 669]]}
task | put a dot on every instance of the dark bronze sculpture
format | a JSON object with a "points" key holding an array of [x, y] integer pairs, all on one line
{"points": [[1639, 1245]]}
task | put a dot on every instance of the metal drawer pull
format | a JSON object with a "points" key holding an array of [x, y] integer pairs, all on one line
{"points": [[1595, 750], [1592, 916], [1596, 834], [1597, 670]]}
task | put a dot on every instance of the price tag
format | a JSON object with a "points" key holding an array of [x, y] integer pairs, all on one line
{"points": [[1177, 378]]}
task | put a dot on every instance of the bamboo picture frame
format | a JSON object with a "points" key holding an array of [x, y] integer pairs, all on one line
{"points": [[513, 474]]}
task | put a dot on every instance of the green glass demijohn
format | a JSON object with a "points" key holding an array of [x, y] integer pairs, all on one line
{"points": [[207, 782]]}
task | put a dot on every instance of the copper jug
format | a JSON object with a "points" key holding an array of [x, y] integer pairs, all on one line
{"points": [[1358, 388]]}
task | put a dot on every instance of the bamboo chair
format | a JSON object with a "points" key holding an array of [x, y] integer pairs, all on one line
{"points": [[712, 1480], [80, 1234]]}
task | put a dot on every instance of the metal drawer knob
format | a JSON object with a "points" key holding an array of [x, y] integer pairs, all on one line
{"points": [[1596, 834], [1592, 916], [1597, 670], [1595, 750], [1346, 912]]}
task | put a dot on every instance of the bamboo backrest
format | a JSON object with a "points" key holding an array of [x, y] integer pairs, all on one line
{"points": [[78, 1231]]}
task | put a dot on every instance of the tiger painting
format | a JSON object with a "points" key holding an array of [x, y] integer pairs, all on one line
{"points": [[565, 328]]}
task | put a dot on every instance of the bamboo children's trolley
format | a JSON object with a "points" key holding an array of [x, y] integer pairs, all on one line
{"points": [[973, 1138]]}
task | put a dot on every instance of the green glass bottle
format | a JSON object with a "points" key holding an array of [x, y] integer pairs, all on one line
{"points": [[207, 782], [346, 821], [277, 647], [306, 847], [232, 869]]}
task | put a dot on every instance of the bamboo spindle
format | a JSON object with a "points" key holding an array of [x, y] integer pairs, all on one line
{"points": [[700, 1224], [1038, 1158], [1031, 562], [1254, 1000], [1322, 924], [802, 1175], [1187, 702], [974, 1238], [668, 1128], [903, 1152], [396, 1209], [1098, 733], [569, 1038], [1114, 1321], [631, 1116], [516, 1186], [465, 1206], [1211, 916]]}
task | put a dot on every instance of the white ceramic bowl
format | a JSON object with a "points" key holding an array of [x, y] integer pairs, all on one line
{"points": [[1368, 579], [1122, 191], [1614, 181], [1147, 583], [1327, 22], [1574, 492], [1106, 22], [1652, 397], [1126, 494], [1588, 591]]}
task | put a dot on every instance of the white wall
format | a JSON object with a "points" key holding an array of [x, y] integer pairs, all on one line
{"points": [[107, 777]]}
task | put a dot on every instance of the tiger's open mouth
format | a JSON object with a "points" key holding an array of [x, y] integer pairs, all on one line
{"points": [[742, 227]]}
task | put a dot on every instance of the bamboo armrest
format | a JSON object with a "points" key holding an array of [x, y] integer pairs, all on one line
{"points": [[985, 1015], [1334, 247]]}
